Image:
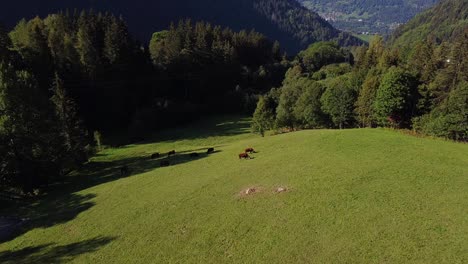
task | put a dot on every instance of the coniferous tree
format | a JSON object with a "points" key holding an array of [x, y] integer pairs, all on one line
{"points": [[69, 124], [33, 152], [263, 117], [365, 101]]}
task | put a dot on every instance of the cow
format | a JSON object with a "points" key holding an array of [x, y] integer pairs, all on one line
{"points": [[170, 153], [244, 156], [194, 155], [124, 170], [249, 150], [165, 163], [210, 150], [155, 155]]}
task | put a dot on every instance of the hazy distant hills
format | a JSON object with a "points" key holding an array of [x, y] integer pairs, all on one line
{"points": [[373, 16], [284, 20]]}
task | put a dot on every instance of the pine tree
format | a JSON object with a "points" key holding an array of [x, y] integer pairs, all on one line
{"points": [[276, 51], [263, 117], [86, 44], [5, 44], [34, 152], [70, 126], [366, 98]]}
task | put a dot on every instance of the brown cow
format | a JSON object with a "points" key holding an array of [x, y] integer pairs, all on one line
{"points": [[244, 156], [165, 163], [210, 150], [249, 150], [124, 170], [170, 153]]}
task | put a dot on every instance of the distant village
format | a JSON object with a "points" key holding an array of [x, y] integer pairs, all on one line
{"points": [[339, 17]]}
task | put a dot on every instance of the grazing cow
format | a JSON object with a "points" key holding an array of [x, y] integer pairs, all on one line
{"points": [[244, 156], [170, 153], [194, 155], [249, 150], [165, 163], [155, 155], [124, 170]]}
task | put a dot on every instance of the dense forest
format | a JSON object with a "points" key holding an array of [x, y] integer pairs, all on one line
{"points": [[294, 26], [418, 81], [69, 80], [444, 22], [424, 89]]}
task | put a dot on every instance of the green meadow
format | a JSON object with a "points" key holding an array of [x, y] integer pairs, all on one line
{"points": [[353, 196]]}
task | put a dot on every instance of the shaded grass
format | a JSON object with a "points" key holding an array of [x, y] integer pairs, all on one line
{"points": [[355, 196]]}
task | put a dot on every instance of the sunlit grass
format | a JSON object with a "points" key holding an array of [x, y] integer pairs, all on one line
{"points": [[354, 196]]}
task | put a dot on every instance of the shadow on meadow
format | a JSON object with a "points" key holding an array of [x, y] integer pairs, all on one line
{"points": [[63, 202], [46, 212], [213, 127], [51, 253]]}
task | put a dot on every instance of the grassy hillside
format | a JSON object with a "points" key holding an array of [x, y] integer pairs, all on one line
{"points": [[355, 196]]}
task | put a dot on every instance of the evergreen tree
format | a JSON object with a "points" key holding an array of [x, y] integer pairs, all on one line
{"points": [[33, 151], [86, 44], [366, 98], [263, 117], [70, 126], [5, 44]]}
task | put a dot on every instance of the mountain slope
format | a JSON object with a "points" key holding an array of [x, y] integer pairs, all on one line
{"points": [[442, 22], [375, 16], [284, 20], [354, 196]]}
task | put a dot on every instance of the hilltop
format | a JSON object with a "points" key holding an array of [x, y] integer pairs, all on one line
{"points": [[283, 20]]}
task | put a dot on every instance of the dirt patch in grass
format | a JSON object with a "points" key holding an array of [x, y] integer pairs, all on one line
{"points": [[281, 189], [250, 191]]}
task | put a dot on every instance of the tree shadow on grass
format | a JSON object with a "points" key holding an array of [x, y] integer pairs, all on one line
{"points": [[43, 213], [51, 253], [213, 127], [99, 172], [63, 203]]}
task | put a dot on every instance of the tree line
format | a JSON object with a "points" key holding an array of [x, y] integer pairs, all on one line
{"points": [[424, 89]]}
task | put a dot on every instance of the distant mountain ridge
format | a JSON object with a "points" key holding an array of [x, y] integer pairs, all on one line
{"points": [[284, 20]]}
